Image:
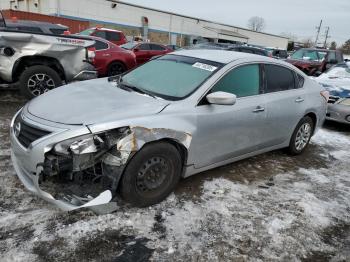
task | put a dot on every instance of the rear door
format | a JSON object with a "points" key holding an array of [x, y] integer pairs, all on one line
{"points": [[285, 103], [143, 53], [102, 57], [157, 50], [229, 131]]}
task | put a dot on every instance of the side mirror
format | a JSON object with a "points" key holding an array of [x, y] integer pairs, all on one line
{"points": [[221, 98], [136, 49]]}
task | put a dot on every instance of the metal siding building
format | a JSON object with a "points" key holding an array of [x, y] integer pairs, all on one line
{"points": [[162, 26]]}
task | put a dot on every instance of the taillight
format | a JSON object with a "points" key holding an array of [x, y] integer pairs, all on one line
{"points": [[91, 54], [325, 95]]}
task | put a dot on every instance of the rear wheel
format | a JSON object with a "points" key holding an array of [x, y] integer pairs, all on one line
{"points": [[151, 175], [115, 68], [301, 136], [37, 80]]}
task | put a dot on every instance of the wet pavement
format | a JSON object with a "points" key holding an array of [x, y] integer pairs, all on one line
{"points": [[272, 207]]}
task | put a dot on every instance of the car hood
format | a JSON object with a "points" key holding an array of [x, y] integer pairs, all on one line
{"points": [[91, 102], [302, 62], [337, 86]]}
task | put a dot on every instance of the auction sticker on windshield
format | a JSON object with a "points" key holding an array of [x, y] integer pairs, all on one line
{"points": [[205, 67]]}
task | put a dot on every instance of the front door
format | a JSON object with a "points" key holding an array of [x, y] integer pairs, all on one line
{"points": [[228, 131]]}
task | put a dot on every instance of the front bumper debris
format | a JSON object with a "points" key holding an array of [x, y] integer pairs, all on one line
{"points": [[74, 168]]}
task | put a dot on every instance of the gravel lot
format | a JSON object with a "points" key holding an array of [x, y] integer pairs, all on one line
{"points": [[268, 208]]}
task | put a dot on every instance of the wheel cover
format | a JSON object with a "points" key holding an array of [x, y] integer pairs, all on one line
{"points": [[39, 84], [152, 176], [115, 69], [303, 136]]}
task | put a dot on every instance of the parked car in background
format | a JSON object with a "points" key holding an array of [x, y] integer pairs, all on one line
{"points": [[251, 50], [233, 47], [111, 59], [39, 62], [114, 36], [314, 61], [145, 51], [140, 133], [278, 53], [337, 81], [36, 27], [174, 47]]}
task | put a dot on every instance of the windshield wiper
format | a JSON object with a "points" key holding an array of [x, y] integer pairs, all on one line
{"points": [[125, 85]]}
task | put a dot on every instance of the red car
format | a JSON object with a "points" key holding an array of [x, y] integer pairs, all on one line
{"points": [[314, 61], [111, 59], [114, 36], [145, 51]]}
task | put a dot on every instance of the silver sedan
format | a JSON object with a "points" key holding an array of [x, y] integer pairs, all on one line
{"points": [[337, 81], [178, 115]]}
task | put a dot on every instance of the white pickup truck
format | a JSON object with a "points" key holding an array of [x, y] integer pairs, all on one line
{"points": [[38, 62]]}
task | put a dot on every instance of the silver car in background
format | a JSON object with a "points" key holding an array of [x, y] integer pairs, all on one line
{"points": [[173, 117], [337, 81]]}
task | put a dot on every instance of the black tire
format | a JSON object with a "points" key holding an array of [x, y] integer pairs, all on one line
{"points": [[50, 80], [116, 68], [293, 148], [136, 186]]}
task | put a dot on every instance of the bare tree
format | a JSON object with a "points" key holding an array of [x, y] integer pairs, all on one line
{"points": [[256, 23], [333, 45]]}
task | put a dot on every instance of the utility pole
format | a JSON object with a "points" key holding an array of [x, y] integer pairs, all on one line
{"points": [[326, 37], [318, 32]]}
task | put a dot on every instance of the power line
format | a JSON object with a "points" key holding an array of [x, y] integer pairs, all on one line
{"points": [[318, 32]]}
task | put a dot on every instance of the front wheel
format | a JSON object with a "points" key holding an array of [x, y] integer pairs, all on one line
{"points": [[151, 175], [37, 80], [301, 136]]}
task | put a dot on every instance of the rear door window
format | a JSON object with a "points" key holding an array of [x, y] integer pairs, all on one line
{"points": [[144, 47], [278, 78], [101, 34], [99, 45], [242, 81], [112, 36], [157, 47], [331, 56]]}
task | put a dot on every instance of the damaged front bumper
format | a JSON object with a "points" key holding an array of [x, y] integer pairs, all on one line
{"points": [[32, 165], [31, 182], [75, 167]]}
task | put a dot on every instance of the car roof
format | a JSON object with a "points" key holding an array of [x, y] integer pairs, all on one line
{"points": [[105, 29], [220, 56]]}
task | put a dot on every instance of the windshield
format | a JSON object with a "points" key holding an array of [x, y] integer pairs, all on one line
{"points": [[171, 77], [313, 55], [86, 32], [129, 45]]}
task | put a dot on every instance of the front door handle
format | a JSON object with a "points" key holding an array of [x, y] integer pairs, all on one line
{"points": [[299, 100], [258, 109]]}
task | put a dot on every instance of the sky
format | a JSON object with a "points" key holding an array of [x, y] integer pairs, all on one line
{"points": [[298, 17]]}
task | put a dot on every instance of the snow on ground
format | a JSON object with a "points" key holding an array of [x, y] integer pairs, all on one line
{"points": [[268, 208]]}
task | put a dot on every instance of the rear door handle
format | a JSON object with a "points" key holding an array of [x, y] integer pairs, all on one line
{"points": [[299, 100], [258, 109]]}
